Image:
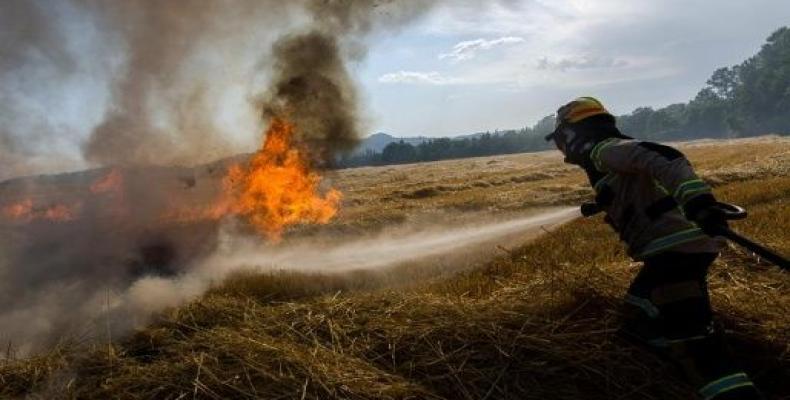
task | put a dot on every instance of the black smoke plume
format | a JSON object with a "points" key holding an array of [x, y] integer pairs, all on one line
{"points": [[167, 63], [313, 89]]}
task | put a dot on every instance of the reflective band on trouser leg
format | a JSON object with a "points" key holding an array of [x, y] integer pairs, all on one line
{"points": [[603, 181], [685, 313], [641, 322], [725, 384], [676, 343], [669, 241], [645, 304], [685, 309]]}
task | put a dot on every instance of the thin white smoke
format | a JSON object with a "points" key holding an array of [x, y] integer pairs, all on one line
{"points": [[152, 294], [379, 251]]}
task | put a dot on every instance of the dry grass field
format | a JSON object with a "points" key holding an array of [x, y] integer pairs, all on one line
{"points": [[534, 321]]}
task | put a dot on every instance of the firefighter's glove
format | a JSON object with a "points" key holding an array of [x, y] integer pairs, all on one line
{"points": [[589, 209], [704, 212]]}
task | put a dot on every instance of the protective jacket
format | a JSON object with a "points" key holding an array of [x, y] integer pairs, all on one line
{"points": [[642, 187]]}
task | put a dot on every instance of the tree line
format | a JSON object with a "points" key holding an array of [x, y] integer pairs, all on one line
{"points": [[485, 144], [748, 99]]}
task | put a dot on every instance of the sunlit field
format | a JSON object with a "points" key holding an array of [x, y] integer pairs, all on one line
{"points": [[530, 315]]}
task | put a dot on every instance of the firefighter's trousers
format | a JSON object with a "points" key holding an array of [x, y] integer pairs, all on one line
{"points": [[668, 308]]}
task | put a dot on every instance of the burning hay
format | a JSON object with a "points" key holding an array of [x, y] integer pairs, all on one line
{"points": [[110, 183], [278, 187], [26, 211], [538, 323]]}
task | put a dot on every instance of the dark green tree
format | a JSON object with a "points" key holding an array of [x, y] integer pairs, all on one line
{"points": [[398, 153], [761, 99]]}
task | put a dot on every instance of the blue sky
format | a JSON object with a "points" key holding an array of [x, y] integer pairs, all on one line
{"points": [[466, 70]]}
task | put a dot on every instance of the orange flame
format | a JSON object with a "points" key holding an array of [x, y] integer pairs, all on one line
{"points": [[20, 210], [111, 182], [58, 213], [278, 188], [179, 214], [25, 211]]}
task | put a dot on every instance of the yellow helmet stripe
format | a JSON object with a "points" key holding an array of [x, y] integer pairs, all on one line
{"points": [[592, 99], [580, 114], [579, 109]]}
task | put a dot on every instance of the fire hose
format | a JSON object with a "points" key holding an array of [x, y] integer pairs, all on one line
{"points": [[730, 212]]}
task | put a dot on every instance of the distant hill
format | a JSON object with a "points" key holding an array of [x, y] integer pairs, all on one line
{"points": [[383, 148], [378, 141]]}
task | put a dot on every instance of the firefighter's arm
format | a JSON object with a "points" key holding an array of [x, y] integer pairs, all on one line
{"points": [[669, 168]]}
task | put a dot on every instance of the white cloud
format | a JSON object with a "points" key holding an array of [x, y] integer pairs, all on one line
{"points": [[467, 50], [580, 62], [417, 77], [553, 19]]}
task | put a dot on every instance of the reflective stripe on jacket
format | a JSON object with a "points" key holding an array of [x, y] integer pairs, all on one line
{"points": [[642, 192]]}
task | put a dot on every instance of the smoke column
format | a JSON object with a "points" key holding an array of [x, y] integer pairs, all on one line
{"points": [[31, 49], [313, 89], [163, 98], [310, 82], [167, 67]]}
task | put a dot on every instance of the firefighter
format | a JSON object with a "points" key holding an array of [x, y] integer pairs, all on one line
{"points": [[665, 214]]}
